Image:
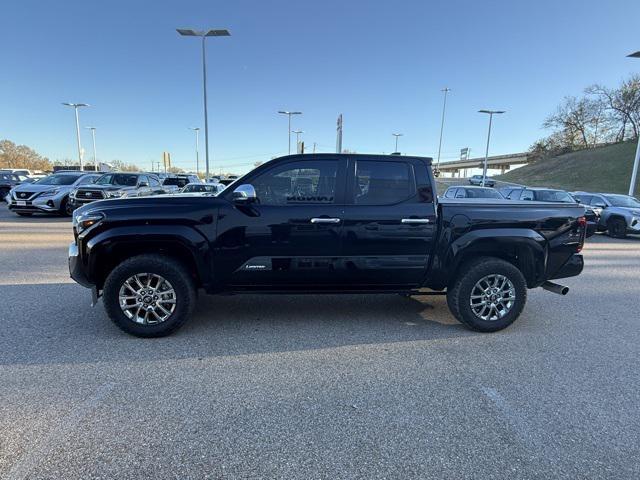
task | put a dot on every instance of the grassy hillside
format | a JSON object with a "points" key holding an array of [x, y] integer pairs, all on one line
{"points": [[602, 169]]}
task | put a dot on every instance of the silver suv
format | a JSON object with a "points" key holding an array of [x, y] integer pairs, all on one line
{"points": [[49, 194]]}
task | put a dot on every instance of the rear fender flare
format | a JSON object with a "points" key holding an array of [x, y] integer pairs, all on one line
{"points": [[525, 248]]}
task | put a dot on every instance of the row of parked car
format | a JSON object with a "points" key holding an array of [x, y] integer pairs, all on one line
{"points": [[618, 215], [62, 192]]}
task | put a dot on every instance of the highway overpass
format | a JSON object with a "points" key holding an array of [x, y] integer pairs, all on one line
{"points": [[500, 162]]}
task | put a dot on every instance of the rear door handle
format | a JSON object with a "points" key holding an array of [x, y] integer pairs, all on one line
{"points": [[325, 220], [415, 220]]}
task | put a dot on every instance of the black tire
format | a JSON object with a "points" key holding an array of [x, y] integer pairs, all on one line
{"points": [[171, 270], [65, 208], [24, 214], [459, 295], [3, 193], [617, 228]]}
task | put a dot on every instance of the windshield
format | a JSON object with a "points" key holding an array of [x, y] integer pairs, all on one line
{"points": [[58, 180], [555, 196], [119, 179], [176, 181], [622, 201], [482, 193]]}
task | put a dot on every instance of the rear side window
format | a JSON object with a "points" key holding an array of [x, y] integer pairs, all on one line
{"points": [[383, 183], [450, 193], [153, 182], [526, 195]]}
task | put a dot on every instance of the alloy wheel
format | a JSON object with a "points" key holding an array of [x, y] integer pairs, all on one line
{"points": [[492, 297], [147, 298]]}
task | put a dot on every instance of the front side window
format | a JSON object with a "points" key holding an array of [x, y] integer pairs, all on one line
{"points": [[623, 201], [383, 183], [153, 181], [555, 196], [306, 182]]}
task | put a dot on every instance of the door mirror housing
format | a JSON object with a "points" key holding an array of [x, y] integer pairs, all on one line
{"points": [[244, 194], [600, 205]]}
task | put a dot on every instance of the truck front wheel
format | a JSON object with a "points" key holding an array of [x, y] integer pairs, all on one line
{"points": [[488, 295], [149, 295]]}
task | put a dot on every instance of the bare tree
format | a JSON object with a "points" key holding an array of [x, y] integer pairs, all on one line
{"points": [[21, 156], [623, 103]]}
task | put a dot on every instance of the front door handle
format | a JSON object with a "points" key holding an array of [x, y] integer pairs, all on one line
{"points": [[325, 220], [415, 220]]}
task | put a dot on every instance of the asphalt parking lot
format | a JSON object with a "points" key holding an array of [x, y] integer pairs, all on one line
{"points": [[316, 387]]}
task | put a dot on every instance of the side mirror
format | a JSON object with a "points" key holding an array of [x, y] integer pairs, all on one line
{"points": [[244, 194], [143, 184], [600, 205]]}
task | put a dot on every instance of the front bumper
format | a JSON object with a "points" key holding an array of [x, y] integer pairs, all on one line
{"points": [[571, 268], [634, 225], [38, 204], [76, 269]]}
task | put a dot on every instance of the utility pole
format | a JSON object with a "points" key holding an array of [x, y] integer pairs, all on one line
{"points": [[339, 135], [636, 162], [444, 108], [491, 113]]}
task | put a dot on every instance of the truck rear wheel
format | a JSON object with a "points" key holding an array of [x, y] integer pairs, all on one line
{"points": [[488, 295], [149, 295]]}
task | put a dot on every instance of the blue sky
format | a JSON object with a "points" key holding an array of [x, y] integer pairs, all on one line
{"points": [[380, 64]]}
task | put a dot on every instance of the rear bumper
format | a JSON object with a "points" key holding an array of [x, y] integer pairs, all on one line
{"points": [[76, 269], [571, 268]]}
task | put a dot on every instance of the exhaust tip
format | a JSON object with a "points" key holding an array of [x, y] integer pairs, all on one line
{"points": [[555, 288]]}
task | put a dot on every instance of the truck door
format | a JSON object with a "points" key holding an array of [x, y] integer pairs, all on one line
{"points": [[389, 222], [291, 236]]}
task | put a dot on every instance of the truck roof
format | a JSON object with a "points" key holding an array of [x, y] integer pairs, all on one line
{"points": [[372, 156]]}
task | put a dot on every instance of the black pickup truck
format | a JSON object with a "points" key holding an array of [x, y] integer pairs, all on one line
{"points": [[325, 223]]}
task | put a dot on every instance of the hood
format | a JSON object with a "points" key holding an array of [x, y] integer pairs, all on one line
{"points": [[631, 210], [37, 187], [152, 206], [106, 188]]}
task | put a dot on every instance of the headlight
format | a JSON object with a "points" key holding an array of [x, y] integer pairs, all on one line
{"points": [[83, 221], [115, 194], [50, 193]]}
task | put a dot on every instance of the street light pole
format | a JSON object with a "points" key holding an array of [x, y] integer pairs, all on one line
{"points": [[397, 135], [204, 34], [75, 107], [288, 113], [297, 132], [95, 157], [491, 113], [197, 130], [636, 162], [444, 108]]}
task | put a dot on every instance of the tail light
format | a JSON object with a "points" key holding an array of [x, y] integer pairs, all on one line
{"points": [[582, 226]]}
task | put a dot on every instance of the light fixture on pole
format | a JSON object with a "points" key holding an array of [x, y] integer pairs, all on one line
{"points": [[75, 107], [95, 157], [197, 130], [397, 135], [446, 90], [636, 162], [285, 112], [204, 34], [491, 113]]}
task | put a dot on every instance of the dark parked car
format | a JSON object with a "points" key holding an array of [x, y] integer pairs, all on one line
{"points": [[477, 180], [320, 223], [117, 185], [472, 192], [9, 181], [619, 215]]}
